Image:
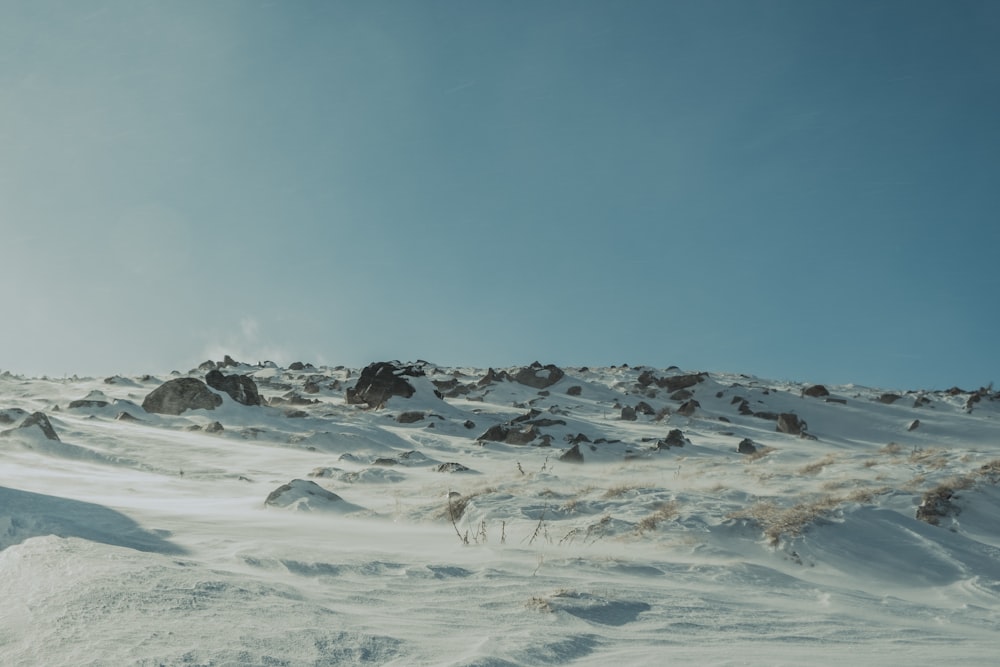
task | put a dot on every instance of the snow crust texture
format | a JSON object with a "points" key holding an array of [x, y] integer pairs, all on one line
{"points": [[494, 517]]}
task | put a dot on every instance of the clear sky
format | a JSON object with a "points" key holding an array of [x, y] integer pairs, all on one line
{"points": [[797, 189]]}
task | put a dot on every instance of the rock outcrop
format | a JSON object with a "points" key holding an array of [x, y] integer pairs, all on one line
{"points": [[538, 376], [381, 381], [240, 388], [179, 395]]}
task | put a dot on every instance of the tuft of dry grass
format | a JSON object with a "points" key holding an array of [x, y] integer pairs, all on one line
{"points": [[620, 490], [778, 522], [816, 466], [891, 448], [758, 455], [662, 512]]}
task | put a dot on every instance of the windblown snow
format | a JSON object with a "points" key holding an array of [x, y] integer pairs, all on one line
{"points": [[522, 516]]}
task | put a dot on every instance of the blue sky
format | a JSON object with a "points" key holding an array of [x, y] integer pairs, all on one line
{"points": [[800, 190]]}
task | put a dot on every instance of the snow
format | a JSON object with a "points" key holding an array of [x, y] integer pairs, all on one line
{"points": [[149, 542]]}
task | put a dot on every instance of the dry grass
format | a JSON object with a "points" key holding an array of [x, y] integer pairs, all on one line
{"points": [[456, 506], [891, 448], [758, 455], [817, 466], [621, 489], [665, 511], [778, 522]]}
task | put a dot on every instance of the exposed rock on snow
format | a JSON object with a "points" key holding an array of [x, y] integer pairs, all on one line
{"points": [[790, 424], [816, 391], [538, 376], [241, 388], [452, 466], [688, 408], [572, 455], [95, 399], [747, 446], [36, 420], [179, 395], [409, 417], [381, 381], [301, 494]]}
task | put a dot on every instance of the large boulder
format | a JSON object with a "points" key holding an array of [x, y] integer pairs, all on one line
{"points": [[36, 420], [241, 388], [538, 376], [381, 381], [816, 391], [791, 424], [176, 396]]}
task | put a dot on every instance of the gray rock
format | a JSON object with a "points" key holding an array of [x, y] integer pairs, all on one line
{"points": [[791, 424], [538, 376], [214, 427], [575, 390], [572, 455], [816, 391], [40, 420], [688, 407], [409, 417], [747, 446], [628, 414], [176, 396], [381, 381], [241, 388], [451, 466]]}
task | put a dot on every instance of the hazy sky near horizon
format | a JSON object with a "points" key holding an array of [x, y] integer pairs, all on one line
{"points": [[794, 189]]}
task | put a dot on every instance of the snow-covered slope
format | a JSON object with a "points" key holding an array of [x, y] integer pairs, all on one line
{"points": [[521, 516]]}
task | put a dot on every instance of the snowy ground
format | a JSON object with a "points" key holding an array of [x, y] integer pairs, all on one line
{"points": [[148, 541]]}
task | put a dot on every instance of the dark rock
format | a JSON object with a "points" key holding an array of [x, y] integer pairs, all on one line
{"points": [[764, 414], [628, 414], [644, 408], [206, 366], [747, 446], [381, 381], [937, 504], [531, 414], [745, 409], [497, 433], [286, 494], [493, 377], [126, 417], [228, 362], [539, 377], [87, 403], [674, 382], [545, 422], [409, 417], [469, 424], [451, 466], [816, 391], [544, 392], [572, 455], [575, 390], [214, 427], [914, 425], [841, 401], [675, 438], [790, 424], [241, 388], [681, 395], [310, 388], [385, 462], [688, 407], [521, 436], [296, 366], [40, 420], [180, 394], [296, 414], [579, 437], [888, 399]]}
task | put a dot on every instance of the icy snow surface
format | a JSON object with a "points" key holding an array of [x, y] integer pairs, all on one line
{"points": [[147, 541]]}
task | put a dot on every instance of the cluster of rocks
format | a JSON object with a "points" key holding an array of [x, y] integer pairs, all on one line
{"points": [[179, 395]]}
